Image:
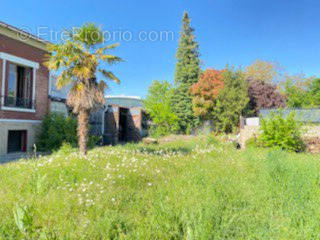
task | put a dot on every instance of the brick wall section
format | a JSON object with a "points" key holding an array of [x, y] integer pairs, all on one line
{"points": [[134, 123], [20, 49]]}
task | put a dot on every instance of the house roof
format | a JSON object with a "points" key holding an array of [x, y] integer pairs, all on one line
{"points": [[124, 101], [123, 96], [301, 115], [23, 36]]}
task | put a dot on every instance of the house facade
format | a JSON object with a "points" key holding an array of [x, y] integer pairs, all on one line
{"points": [[24, 84]]}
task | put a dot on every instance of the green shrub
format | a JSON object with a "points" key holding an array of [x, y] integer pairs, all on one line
{"points": [[55, 130], [158, 106], [93, 141], [283, 132], [66, 148]]}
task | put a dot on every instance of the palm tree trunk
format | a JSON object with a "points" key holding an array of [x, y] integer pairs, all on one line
{"points": [[83, 122]]}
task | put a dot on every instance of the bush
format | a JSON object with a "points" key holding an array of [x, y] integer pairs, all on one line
{"points": [[283, 132], [66, 148], [94, 140], [158, 106], [55, 130]]}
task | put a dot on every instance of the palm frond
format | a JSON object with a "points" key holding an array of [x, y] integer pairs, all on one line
{"points": [[111, 59], [89, 35], [109, 75], [64, 79], [101, 51], [102, 85]]}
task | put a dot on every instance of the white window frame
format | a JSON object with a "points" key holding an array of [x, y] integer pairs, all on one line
{"points": [[23, 62]]}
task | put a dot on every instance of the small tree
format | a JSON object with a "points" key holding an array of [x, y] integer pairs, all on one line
{"points": [[297, 89], [264, 95], [78, 60], [159, 107], [205, 92], [264, 70], [231, 101], [314, 92]]}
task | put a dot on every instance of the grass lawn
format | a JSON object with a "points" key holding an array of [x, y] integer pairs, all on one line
{"points": [[197, 189]]}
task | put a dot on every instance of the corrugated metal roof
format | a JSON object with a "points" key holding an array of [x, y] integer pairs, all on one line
{"points": [[124, 101], [302, 115]]}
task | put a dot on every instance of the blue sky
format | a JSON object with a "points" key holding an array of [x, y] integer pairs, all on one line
{"points": [[228, 31]]}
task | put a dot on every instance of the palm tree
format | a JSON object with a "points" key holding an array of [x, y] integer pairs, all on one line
{"points": [[78, 60]]}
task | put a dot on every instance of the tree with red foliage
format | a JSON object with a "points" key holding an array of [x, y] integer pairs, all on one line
{"points": [[264, 95], [205, 92]]}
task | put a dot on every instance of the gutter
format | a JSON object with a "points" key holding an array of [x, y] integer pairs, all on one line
{"points": [[15, 29]]}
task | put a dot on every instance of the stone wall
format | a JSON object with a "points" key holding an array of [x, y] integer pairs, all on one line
{"points": [[246, 133]]}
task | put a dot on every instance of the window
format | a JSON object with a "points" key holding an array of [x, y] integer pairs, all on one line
{"points": [[17, 141], [19, 91]]}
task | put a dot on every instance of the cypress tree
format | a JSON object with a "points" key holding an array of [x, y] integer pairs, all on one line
{"points": [[186, 74]]}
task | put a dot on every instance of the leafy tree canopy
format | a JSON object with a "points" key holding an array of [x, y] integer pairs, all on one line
{"points": [[205, 92], [298, 91], [264, 95], [159, 107], [231, 101], [266, 71]]}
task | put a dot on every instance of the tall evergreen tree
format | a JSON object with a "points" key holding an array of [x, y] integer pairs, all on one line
{"points": [[186, 74]]}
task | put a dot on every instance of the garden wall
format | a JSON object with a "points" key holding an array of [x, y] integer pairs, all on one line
{"points": [[310, 136]]}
